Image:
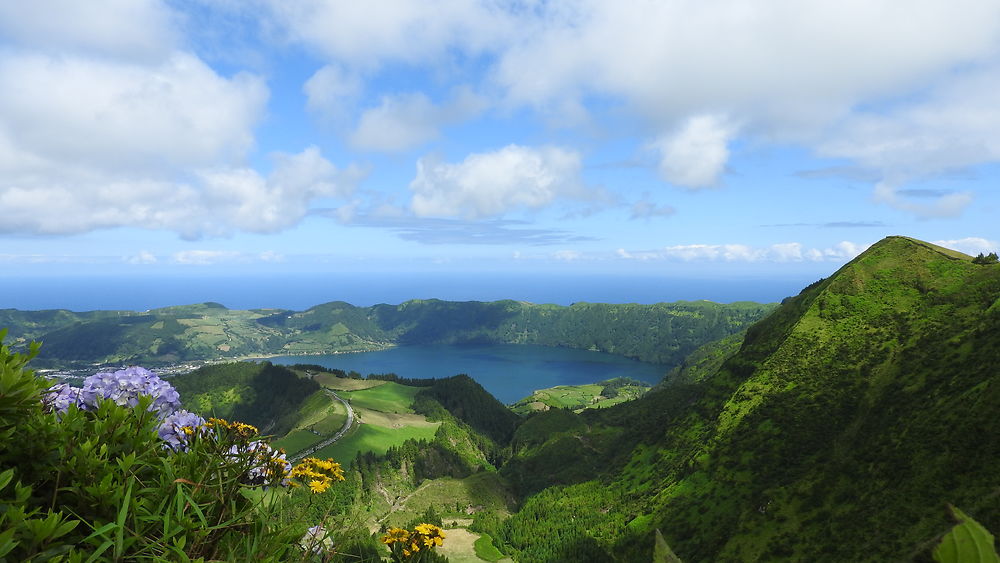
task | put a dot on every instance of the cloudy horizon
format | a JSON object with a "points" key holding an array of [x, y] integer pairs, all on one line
{"points": [[653, 138]]}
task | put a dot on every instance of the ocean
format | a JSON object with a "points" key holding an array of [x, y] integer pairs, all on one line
{"points": [[301, 291]]}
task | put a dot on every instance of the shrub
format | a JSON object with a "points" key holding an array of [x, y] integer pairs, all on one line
{"points": [[115, 471]]}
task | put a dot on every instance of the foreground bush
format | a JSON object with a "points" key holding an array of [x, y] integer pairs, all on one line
{"points": [[117, 471]]}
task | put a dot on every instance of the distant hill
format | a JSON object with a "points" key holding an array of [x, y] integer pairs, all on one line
{"points": [[837, 430], [662, 333]]}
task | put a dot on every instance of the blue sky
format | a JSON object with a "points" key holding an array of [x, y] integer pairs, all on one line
{"points": [[655, 138]]}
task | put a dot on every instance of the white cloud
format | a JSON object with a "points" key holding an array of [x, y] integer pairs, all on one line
{"points": [[971, 245], [567, 255], [271, 256], [205, 257], [216, 202], [142, 257], [121, 116], [408, 120], [365, 34], [491, 184], [202, 257], [331, 91], [789, 62], [243, 199], [131, 29], [786, 72], [695, 154], [780, 252], [801, 73]]}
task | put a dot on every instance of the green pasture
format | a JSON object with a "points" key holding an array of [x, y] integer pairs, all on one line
{"points": [[486, 550], [389, 397], [371, 438], [296, 441]]}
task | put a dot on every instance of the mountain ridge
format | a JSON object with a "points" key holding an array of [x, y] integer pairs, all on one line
{"points": [[838, 431], [658, 333]]}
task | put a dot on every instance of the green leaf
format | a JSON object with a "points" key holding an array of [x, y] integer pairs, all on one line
{"points": [[120, 523], [5, 478], [662, 552], [7, 542], [967, 542]]}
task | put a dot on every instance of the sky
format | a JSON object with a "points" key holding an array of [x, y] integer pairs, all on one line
{"points": [[673, 138]]}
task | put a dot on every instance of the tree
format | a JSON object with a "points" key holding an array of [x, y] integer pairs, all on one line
{"points": [[990, 258]]}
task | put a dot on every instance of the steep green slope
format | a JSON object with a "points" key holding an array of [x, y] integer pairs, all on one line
{"points": [[661, 333], [267, 396], [467, 401], [838, 432]]}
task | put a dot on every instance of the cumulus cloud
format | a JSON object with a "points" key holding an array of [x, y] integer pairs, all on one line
{"points": [[491, 184], [132, 29], [971, 245], [142, 257], [780, 61], [567, 255], [695, 154], [106, 121], [793, 73], [331, 90], [405, 121], [116, 115], [204, 257], [780, 252], [365, 35], [216, 202]]}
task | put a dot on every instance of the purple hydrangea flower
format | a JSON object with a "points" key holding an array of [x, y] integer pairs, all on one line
{"points": [[266, 462], [172, 430], [60, 396], [125, 386]]}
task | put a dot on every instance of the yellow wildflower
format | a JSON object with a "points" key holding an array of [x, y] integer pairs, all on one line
{"points": [[395, 535], [319, 486]]}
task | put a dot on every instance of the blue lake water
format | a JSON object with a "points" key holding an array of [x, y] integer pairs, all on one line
{"points": [[508, 371]]}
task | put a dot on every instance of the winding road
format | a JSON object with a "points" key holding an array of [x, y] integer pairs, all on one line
{"points": [[340, 433]]}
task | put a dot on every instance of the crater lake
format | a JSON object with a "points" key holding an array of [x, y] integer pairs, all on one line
{"points": [[508, 371]]}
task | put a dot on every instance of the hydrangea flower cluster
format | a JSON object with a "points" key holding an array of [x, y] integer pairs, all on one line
{"points": [[60, 397], [125, 386], [177, 429]]}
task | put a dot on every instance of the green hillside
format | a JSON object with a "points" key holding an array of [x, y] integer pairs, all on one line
{"points": [[661, 333], [838, 431], [273, 398], [578, 397]]}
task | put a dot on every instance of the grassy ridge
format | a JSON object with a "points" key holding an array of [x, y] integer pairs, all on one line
{"points": [[838, 430]]}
